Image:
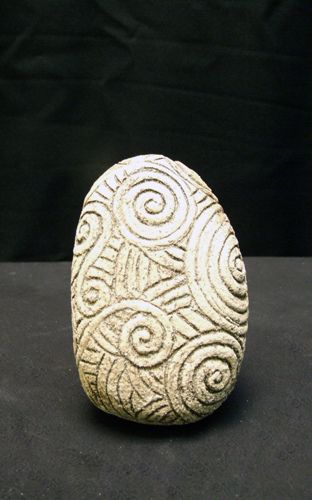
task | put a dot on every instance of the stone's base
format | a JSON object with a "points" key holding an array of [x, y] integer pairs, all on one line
{"points": [[159, 294]]}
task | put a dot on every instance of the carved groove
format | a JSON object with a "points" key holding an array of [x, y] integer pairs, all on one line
{"points": [[159, 294]]}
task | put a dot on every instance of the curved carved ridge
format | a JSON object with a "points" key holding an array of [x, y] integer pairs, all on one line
{"points": [[159, 294]]}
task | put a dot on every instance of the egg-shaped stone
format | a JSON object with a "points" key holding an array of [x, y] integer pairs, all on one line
{"points": [[159, 294]]}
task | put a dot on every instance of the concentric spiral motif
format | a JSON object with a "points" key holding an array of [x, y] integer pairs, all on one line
{"points": [[216, 271], [159, 294], [153, 207], [202, 374], [92, 292], [146, 338]]}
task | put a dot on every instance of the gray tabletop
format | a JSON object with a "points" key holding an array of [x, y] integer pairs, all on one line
{"points": [[55, 444]]}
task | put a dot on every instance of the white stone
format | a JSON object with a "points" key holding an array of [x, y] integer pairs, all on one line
{"points": [[159, 294]]}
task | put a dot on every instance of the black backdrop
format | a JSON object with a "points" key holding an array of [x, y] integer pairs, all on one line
{"points": [[223, 86]]}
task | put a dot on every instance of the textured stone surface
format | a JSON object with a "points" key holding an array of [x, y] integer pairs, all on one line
{"points": [[159, 294]]}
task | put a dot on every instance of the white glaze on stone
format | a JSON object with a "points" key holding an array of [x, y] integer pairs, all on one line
{"points": [[159, 294]]}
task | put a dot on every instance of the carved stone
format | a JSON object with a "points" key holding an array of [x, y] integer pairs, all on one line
{"points": [[159, 294]]}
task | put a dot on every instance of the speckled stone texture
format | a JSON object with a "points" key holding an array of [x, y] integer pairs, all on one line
{"points": [[159, 294]]}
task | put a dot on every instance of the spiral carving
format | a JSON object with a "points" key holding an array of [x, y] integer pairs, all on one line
{"points": [[91, 290], [202, 374], [146, 339], [144, 333], [216, 271], [87, 232], [159, 294], [153, 208]]}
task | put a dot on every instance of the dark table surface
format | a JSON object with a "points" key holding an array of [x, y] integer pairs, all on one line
{"points": [[55, 444]]}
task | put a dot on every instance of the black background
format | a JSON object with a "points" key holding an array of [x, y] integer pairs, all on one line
{"points": [[223, 86]]}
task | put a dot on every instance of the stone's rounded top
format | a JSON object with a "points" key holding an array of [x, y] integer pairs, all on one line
{"points": [[159, 294]]}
